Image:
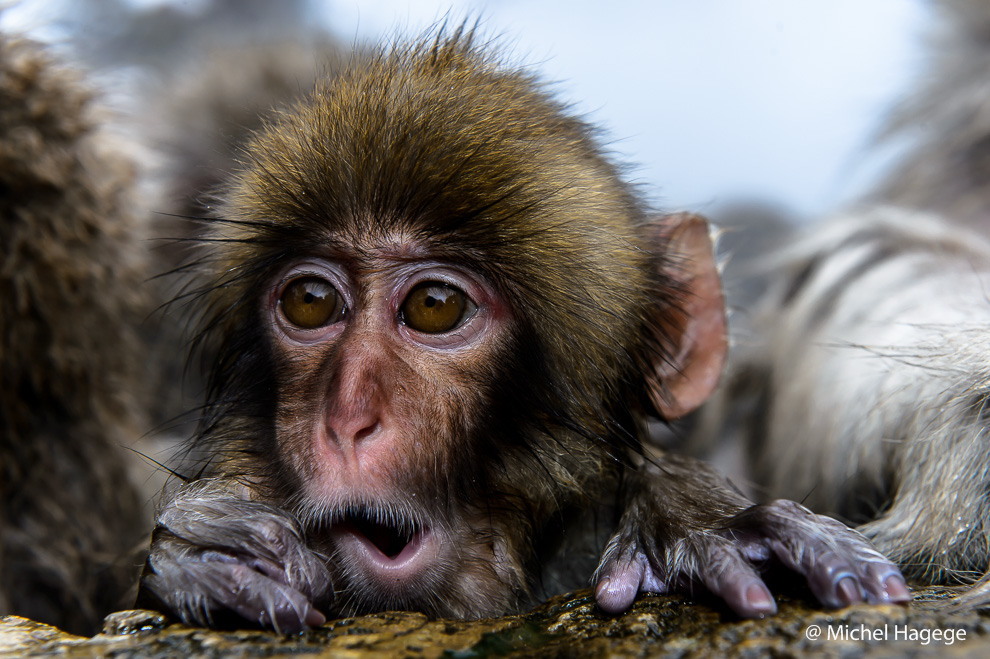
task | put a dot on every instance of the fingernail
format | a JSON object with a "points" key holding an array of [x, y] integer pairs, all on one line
{"points": [[602, 587], [896, 590], [314, 618], [760, 600], [849, 591]]}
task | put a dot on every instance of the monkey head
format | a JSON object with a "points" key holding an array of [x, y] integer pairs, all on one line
{"points": [[439, 314]]}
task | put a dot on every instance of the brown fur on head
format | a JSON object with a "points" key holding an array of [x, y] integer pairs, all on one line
{"points": [[439, 148], [69, 371]]}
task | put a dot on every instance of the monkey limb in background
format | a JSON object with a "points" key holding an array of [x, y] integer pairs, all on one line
{"points": [[439, 318], [866, 372], [70, 369], [871, 377]]}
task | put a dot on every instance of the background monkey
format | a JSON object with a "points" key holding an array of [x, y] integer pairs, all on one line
{"points": [[863, 378], [439, 317], [71, 373]]}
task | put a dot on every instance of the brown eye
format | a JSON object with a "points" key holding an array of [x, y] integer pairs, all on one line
{"points": [[310, 302], [435, 307]]}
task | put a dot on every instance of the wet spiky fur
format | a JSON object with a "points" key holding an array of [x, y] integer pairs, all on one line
{"points": [[69, 373], [441, 141]]}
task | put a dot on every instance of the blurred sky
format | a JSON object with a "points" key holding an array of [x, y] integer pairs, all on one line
{"points": [[712, 100]]}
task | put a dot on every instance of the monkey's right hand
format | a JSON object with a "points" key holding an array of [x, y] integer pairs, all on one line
{"points": [[214, 553]]}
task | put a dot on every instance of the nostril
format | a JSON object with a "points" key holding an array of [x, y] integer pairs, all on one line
{"points": [[365, 432], [351, 431]]}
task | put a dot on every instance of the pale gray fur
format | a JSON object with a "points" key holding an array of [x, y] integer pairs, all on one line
{"points": [[869, 365], [861, 380]]}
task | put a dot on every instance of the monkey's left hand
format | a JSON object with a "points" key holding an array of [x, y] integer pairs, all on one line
{"points": [[670, 539]]}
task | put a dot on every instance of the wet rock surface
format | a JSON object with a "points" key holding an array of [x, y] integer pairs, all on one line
{"points": [[567, 626]]}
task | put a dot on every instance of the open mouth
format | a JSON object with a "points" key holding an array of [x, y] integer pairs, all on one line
{"points": [[388, 540], [388, 545]]}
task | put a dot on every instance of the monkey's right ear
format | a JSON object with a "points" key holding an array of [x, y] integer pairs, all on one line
{"points": [[693, 331]]}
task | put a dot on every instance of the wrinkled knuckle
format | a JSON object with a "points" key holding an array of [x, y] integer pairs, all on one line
{"points": [[864, 552], [836, 570], [272, 530], [238, 573]]}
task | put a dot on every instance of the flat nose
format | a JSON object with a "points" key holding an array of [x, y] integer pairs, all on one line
{"points": [[355, 411]]}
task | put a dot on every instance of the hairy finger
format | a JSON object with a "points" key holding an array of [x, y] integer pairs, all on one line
{"points": [[198, 591]]}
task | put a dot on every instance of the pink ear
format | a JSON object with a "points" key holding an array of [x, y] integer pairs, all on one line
{"points": [[694, 329]]}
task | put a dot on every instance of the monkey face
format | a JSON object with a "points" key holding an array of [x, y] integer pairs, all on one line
{"points": [[380, 350], [460, 309]]}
